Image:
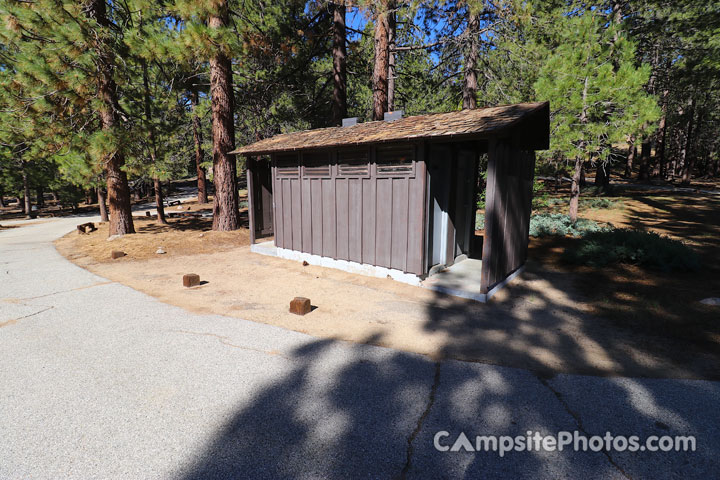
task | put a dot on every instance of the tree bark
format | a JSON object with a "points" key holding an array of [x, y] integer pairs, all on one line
{"points": [[661, 134], [578, 178], [159, 203], [686, 157], [575, 190], [27, 204], [121, 221], [101, 204], [470, 83], [380, 70], [339, 53], [392, 29], [644, 173], [197, 137], [2, 198], [225, 208], [632, 153], [602, 175]]}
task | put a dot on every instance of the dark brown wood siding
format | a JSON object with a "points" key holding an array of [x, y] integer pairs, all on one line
{"points": [[368, 206], [507, 211]]}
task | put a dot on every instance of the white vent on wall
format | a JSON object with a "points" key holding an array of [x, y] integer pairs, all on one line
{"points": [[316, 165], [396, 161], [287, 166], [353, 163]]}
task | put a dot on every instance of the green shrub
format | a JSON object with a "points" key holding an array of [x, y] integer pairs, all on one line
{"points": [[479, 221], [636, 247], [544, 224], [598, 202]]}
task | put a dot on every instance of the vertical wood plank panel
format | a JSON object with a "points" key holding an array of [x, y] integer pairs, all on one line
{"points": [[399, 233], [251, 197], [369, 219], [317, 216], [287, 214], [296, 191], [416, 221], [329, 221], [343, 217], [383, 234], [306, 224], [356, 217], [278, 206]]}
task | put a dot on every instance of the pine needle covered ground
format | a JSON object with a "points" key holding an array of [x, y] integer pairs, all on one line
{"points": [[557, 317]]}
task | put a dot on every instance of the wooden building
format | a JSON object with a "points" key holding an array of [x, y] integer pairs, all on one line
{"points": [[398, 197]]}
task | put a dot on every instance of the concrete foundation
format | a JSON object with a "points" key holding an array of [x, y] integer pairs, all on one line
{"points": [[462, 279]]}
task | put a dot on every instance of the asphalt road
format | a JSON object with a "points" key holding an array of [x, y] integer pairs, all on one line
{"points": [[100, 381]]}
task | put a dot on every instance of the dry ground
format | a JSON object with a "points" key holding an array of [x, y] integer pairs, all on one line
{"points": [[555, 318]]}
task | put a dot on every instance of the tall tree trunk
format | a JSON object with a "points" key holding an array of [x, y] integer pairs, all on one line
{"points": [[380, 69], [470, 83], [687, 157], [2, 197], [39, 194], [392, 39], [27, 204], [661, 135], [159, 203], [197, 137], [644, 173], [121, 221], [578, 176], [225, 208], [101, 204], [339, 53], [602, 175], [575, 190], [632, 153]]}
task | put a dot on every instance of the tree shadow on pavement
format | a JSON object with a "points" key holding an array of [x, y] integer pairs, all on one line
{"points": [[342, 410]]}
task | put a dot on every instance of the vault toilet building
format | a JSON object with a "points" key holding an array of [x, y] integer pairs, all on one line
{"points": [[398, 197]]}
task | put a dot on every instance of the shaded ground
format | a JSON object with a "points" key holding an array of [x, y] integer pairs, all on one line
{"points": [[556, 318], [101, 381]]}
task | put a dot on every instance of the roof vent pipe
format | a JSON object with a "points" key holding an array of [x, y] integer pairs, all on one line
{"points": [[349, 122], [392, 116]]}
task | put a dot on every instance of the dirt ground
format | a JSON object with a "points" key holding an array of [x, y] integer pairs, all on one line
{"points": [[554, 318]]}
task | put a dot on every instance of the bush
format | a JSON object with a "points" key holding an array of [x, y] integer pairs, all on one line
{"points": [[479, 221], [636, 247], [544, 224]]}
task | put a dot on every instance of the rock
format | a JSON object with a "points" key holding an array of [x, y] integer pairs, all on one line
{"points": [[201, 235], [189, 208], [305, 263], [113, 237], [300, 306], [191, 280], [117, 254], [160, 251], [713, 301]]}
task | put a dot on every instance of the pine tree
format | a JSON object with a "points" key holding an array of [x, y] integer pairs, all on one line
{"points": [[595, 89], [64, 60]]}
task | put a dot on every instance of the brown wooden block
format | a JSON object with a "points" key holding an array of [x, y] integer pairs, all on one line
{"points": [[300, 306], [86, 227], [191, 280], [117, 254]]}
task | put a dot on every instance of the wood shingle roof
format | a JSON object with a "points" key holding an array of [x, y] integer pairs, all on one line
{"points": [[480, 123]]}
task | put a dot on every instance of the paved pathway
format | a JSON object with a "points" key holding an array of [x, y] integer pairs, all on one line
{"points": [[100, 381]]}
